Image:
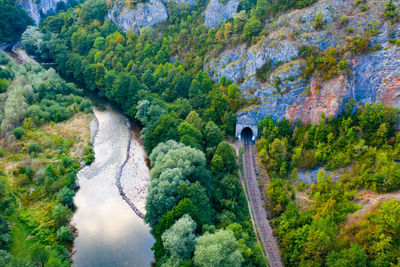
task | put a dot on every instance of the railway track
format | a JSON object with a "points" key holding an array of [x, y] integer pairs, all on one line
{"points": [[256, 203]]}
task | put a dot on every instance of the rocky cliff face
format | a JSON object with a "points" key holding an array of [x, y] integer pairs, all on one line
{"points": [[36, 8], [216, 12], [374, 77], [144, 14]]}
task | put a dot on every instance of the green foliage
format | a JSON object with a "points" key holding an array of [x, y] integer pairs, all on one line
{"points": [[3, 85], [5, 235], [252, 28], [319, 21], [391, 12], [364, 142], [64, 235], [66, 196], [18, 132], [348, 257], [277, 196], [224, 160], [93, 10], [14, 20], [219, 249], [179, 240], [34, 148]]}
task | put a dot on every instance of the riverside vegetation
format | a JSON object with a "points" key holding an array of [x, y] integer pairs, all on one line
{"points": [[40, 156], [196, 206], [195, 201]]}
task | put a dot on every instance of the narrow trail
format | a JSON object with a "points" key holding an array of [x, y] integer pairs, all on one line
{"points": [[119, 174], [260, 216]]}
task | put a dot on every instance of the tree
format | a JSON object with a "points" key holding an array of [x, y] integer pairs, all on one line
{"points": [[319, 21], [224, 160], [320, 239], [64, 235], [5, 236], [189, 135], [18, 132], [198, 195], [61, 214], [185, 206], [180, 238], [354, 256], [252, 28], [212, 134], [14, 20], [66, 196], [39, 254], [194, 118], [219, 249]]}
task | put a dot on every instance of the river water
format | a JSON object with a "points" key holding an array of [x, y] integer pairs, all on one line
{"points": [[109, 232]]}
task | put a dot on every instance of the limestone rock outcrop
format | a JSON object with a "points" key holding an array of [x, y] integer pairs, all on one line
{"points": [[216, 12], [373, 77], [142, 15], [36, 8]]}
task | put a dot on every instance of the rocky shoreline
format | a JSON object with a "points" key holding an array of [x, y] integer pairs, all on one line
{"points": [[119, 174]]}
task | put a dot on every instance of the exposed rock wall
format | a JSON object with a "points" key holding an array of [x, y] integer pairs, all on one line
{"points": [[216, 12], [36, 8], [144, 14], [374, 77]]}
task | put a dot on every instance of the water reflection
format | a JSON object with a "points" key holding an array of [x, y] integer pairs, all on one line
{"points": [[110, 233]]}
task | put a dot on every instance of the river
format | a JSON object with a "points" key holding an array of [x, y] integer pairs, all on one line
{"points": [[111, 199], [110, 233]]}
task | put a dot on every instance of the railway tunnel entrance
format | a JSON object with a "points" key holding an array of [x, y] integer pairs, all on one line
{"points": [[246, 127]]}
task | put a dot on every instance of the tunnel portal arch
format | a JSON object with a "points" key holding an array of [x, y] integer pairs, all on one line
{"points": [[244, 122]]}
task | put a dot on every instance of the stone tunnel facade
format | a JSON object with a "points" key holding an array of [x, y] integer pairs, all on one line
{"points": [[244, 121]]}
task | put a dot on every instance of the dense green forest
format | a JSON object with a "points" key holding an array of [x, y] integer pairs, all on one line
{"points": [[357, 151], [196, 206], [195, 201], [14, 21], [39, 157]]}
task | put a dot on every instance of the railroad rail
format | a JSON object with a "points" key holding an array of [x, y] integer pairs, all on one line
{"points": [[256, 203]]}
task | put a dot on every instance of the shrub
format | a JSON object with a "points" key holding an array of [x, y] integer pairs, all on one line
{"points": [[252, 28], [319, 22], [64, 235], [3, 85], [18, 132], [343, 21], [34, 148], [391, 12]]}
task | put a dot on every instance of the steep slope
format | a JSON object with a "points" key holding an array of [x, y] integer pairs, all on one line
{"points": [[36, 9], [373, 77]]}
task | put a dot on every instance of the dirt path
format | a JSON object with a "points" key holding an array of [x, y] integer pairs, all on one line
{"points": [[260, 216]]}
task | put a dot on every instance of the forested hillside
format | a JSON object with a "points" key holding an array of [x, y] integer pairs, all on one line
{"points": [[195, 201], [14, 21], [166, 78], [43, 141], [355, 154]]}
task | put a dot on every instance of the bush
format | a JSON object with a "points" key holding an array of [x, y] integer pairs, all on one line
{"points": [[34, 148], [252, 28], [66, 196], [319, 22], [391, 12], [18, 132], [3, 85], [64, 235]]}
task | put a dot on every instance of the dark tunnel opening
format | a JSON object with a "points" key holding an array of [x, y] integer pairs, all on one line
{"points": [[247, 133]]}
